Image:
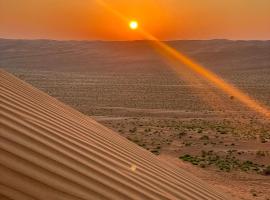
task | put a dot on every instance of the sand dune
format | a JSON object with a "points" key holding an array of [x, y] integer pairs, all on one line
{"points": [[130, 57], [51, 151]]}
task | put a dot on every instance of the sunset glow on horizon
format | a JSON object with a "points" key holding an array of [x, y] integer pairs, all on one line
{"points": [[173, 54], [167, 20]]}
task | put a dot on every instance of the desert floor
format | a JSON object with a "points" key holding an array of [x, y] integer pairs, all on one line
{"points": [[129, 88]]}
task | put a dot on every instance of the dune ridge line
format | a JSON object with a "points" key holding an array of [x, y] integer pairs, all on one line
{"points": [[48, 150]]}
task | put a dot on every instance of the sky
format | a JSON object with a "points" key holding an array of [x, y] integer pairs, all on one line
{"points": [[165, 19]]}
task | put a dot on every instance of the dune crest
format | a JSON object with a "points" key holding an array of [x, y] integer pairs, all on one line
{"points": [[51, 151]]}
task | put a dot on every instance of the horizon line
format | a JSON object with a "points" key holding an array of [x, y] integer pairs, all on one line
{"points": [[138, 40]]}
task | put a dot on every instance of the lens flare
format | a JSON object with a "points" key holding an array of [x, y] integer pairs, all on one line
{"points": [[208, 75]]}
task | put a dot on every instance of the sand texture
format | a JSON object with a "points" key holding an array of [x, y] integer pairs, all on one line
{"points": [[50, 151]]}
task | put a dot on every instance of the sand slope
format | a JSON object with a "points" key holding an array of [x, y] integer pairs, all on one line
{"points": [[51, 151]]}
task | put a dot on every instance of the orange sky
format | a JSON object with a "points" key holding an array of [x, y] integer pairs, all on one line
{"points": [[165, 19]]}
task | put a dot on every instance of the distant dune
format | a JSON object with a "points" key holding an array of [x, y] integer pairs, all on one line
{"points": [[128, 57], [101, 78], [50, 151]]}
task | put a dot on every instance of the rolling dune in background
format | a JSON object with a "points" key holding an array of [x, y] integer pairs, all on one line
{"points": [[50, 151]]}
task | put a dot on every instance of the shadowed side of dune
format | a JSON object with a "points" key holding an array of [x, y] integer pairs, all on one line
{"points": [[51, 151]]}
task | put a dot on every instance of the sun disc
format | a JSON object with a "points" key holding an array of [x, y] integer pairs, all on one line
{"points": [[133, 25]]}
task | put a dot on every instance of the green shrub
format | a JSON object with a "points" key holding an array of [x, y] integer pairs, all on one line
{"points": [[186, 157]]}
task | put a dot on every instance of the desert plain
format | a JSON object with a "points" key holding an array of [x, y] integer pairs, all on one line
{"points": [[133, 89]]}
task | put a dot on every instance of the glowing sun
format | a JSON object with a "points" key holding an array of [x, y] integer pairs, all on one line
{"points": [[133, 25]]}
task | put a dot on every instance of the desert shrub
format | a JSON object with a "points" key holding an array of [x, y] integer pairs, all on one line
{"points": [[224, 163], [155, 151], [136, 140], [221, 130], [147, 130], [204, 153], [133, 130], [205, 137], [186, 157], [263, 140], [266, 171], [188, 144], [202, 165], [260, 153]]}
